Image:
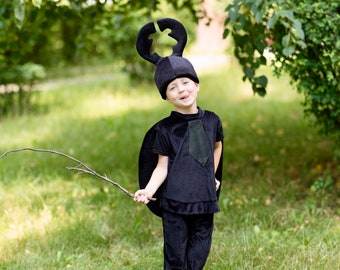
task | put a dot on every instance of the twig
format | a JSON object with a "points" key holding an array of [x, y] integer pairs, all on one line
{"points": [[81, 167]]}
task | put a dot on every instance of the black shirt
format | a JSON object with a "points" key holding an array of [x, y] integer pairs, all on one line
{"points": [[190, 184]]}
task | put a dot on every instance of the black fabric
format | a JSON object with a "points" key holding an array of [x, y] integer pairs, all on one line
{"points": [[146, 164], [170, 137], [144, 42], [170, 68], [198, 142], [187, 240]]}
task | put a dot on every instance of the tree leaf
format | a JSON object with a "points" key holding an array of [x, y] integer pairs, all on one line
{"points": [[285, 40], [272, 21], [261, 91], [248, 72], [261, 81], [226, 33], [288, 14], [233, 15], [301, 44], [258, 16], [19, 11], [288, 51], [36, 3], [263, 60], [297, 32]]}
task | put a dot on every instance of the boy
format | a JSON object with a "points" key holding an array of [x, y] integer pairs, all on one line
{"points": [[188, 147]]}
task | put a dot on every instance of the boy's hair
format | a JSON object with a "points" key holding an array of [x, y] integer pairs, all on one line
{"points": [[170, 67]]}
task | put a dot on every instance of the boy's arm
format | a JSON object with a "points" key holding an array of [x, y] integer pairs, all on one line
{"points": [[217, 154], [217, 157], [157, 178]]}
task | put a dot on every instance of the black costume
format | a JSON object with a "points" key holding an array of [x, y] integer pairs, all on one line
{"points": [[171, 137], [187, 199]]}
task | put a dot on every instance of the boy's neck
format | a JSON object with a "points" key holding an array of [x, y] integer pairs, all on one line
{"points": [[189, 110]]}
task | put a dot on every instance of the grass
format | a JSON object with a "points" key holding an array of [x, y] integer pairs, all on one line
{"points": [[276, 210]]}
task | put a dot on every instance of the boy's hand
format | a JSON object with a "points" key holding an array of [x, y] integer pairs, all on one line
{"points": [[218, 183], [142, 196]]}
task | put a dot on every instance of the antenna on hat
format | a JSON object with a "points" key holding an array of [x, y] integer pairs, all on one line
{"points": [[143, 42]]}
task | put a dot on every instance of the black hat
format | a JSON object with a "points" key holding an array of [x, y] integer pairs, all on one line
{"points": [[170, 67]]}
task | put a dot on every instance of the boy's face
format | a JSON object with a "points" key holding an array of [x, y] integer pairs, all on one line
{"points": [[182, 93]]}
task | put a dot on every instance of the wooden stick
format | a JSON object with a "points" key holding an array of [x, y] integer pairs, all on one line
{"points": [[82, 167]]}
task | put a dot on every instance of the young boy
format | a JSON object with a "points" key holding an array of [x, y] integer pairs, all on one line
{"points": [[188, 146]]}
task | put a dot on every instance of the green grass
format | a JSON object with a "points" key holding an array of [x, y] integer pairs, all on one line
{"points": [[271, 217]]}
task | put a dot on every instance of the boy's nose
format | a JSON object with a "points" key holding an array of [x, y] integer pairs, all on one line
{"points": [[181, 88]]}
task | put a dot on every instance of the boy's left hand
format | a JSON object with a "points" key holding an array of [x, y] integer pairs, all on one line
{"points": [[218, 183]]}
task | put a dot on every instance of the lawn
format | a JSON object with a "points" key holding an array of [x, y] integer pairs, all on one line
{"points": [[280, 191]]}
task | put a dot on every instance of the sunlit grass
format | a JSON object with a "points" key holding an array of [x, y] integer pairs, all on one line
{"points": [[270, 218]]}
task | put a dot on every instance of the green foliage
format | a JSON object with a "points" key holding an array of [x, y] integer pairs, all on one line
{"points": [[20, 48], [322, 185], [92, 29], [303, 40], [16, 85], [68, 32]]}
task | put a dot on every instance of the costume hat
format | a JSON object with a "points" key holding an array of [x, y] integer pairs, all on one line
{"points": [[170, 67]]}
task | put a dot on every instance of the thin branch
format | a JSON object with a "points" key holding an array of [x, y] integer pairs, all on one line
{"points": [[81, 167]]}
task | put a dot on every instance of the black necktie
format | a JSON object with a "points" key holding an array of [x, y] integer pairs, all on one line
{"points": [[198, 142]]}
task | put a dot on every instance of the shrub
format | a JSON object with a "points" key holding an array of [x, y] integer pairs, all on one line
{"points": [[16, 84], [303, 39]]}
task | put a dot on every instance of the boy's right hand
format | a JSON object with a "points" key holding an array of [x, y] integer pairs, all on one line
{"points": [[142, 196]]}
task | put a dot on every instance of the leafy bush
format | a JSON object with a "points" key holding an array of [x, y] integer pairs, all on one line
{"points": [[303, 40], [37, 31], [16, 84]]}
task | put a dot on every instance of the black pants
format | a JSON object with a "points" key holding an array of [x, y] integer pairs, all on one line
{"points": [[187, 240]]}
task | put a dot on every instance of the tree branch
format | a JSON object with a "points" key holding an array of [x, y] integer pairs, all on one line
{"points": [[81, 167]]}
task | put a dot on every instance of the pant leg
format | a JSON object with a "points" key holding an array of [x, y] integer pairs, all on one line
{"points": [[199, 242], [175, 234]]}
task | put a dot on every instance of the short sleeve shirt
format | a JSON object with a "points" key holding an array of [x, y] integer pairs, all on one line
{"points": [[190, 186]]}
